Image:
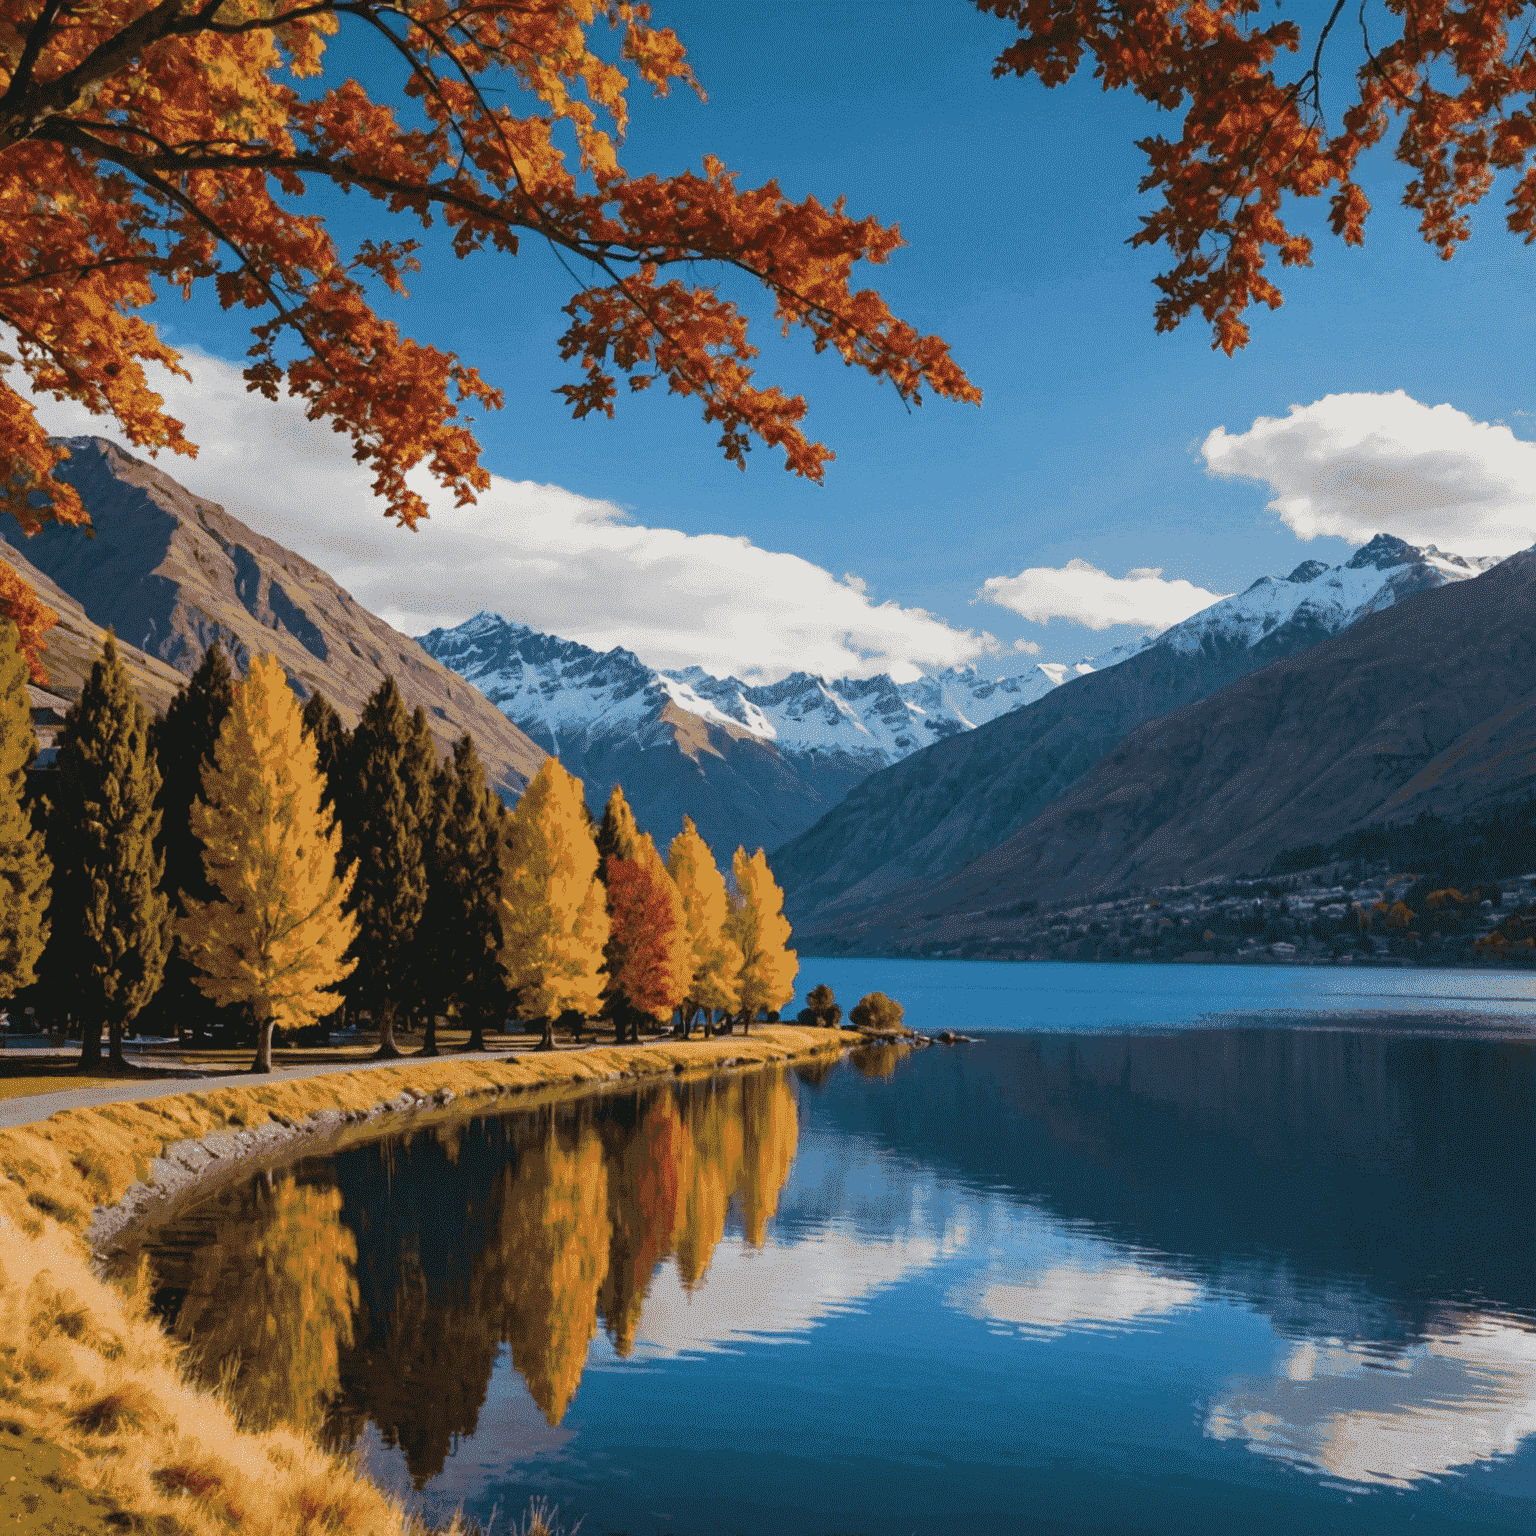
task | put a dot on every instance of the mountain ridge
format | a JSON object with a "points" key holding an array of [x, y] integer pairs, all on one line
{"points": [[172, 573], [1342, 737], [916, 824]]}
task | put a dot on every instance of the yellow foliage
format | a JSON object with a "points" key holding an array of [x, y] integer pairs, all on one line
{"points": [[276, 937], [555, 915], [716, 957], [761, 931]]}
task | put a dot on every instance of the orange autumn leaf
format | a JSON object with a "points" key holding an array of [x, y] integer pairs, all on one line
{"points": [[156, 142], [1460, 79], [32, 617]]}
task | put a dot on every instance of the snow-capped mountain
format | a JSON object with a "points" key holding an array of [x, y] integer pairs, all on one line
{"points": [[559, 691], [760, 763], [1326, 597]]}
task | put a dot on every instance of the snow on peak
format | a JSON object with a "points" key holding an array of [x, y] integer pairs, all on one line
{"points": [[1328, 597], [558, 689]]}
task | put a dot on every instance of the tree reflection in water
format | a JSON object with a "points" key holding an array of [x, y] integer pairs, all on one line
{"points": [[380, 1285]]}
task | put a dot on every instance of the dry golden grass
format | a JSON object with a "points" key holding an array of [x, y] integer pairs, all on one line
{"points": [[86, 1373]]}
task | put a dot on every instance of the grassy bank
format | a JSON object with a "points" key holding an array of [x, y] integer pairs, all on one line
{"points": [[90, 1382]]}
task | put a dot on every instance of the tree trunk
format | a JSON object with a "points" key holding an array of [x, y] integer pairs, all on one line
{"points": [[429, 1040], [90, 1044], [263, 1062], [476, 1040], [746, 1023], [115, 1045], [547, 1042], [384, 1017]]}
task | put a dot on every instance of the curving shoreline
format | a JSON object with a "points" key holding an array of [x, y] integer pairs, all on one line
{"points": [[188, 1168], [88, 1373]]}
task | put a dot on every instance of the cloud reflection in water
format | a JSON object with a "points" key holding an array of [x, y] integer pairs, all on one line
{"points": [[1460, 1396]]}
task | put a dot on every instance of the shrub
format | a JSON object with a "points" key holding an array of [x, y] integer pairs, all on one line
{"points": [[820, 1009], [877, 1011]]}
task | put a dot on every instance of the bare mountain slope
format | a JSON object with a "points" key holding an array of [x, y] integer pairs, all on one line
{"points": [[907, 828], [1428, 706], [171, 572]]}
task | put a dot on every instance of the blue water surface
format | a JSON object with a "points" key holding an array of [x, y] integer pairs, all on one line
{"points": [[1168, 1249]]}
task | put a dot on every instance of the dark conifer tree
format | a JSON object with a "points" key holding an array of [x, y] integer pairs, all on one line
{"points": [[461, 929], [24, 866], [184, 739], [110, 922], [332, 744], [382, 831]]}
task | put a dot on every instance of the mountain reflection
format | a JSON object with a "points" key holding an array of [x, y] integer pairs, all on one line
{"points": [[381, 1285]]}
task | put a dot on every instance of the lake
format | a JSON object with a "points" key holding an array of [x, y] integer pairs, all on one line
{"points": [[1169, 1249]]}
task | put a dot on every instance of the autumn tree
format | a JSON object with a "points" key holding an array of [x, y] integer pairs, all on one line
{"points": [[648, 956], [759, 929], [1248, 87], [110, 925], [554, 916], [382, 809], [24, 866], [32, 617], [160, 145], [716, 959], [276, 933], [184, 739]]}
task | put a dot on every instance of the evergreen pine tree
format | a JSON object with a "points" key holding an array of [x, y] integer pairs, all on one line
{"points": [[382, 834], [24, 866], [421, 989], [184, 738], [110, 927], [332, 744], [616, 833], [460, 933], [274, 937], [554, 917], [761, 932], [707, 910]]}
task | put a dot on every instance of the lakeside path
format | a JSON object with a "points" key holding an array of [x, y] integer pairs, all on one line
{"points": [[28, 1109]]}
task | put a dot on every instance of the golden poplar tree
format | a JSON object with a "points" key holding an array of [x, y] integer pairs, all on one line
{"points": [[24, 866], [554, 913], [277, 935], [761, 931], [707, 909]]}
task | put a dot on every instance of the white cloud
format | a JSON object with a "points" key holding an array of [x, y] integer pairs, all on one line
{"points": [[539, 554], [1084, 594], [1029, 647], [1358, 465]]}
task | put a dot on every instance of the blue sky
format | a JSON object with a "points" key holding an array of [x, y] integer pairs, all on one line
{"points": [[1016, 203]]}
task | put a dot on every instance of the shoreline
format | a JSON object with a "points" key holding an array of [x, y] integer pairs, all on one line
{"points": [[93, 1376]]}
